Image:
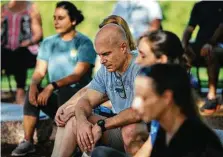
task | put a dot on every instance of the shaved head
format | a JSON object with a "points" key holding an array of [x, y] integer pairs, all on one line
{"points": [[112, 47], [112, 34]]}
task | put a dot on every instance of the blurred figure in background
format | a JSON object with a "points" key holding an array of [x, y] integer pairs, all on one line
{"points": [[142, 16], [21, 31], [208, 45], [68, 57]]}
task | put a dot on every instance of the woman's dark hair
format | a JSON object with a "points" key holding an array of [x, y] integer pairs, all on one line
{"points": [[175, 78], [165, 43], [72, 11]]}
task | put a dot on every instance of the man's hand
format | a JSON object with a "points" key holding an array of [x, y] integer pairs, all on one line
{"points": [[64, 113], [45, 94], [58, 118], [84, 135], [206, 50], [97, 133], [33, 94], [68, 112]]}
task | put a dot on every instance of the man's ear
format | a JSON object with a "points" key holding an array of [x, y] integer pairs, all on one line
{"points": [[168, 97], [124, 47]]}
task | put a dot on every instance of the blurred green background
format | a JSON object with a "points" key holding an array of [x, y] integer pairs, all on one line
{"points": [[175, 13]]}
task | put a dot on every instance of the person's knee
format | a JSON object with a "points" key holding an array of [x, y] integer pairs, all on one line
{"points": [[128, 133], [71, 124], [133, 132], [29, 109]]}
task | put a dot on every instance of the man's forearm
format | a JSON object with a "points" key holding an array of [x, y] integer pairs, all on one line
{"points": [[128, 116], [82, 110], [217, 35], [36, 79], [145, 150], [73, 78], [72, 102]]}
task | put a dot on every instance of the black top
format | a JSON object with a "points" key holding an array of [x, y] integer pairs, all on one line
{"points": [[207, 15], [193, 139]]}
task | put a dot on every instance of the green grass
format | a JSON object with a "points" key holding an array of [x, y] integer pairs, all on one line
{"points": [[176, 15]]}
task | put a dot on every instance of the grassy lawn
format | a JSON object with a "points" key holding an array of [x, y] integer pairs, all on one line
{"points": [[176, 14]]}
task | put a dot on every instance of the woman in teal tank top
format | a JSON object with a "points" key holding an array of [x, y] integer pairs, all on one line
{"points": [[68, 57]]}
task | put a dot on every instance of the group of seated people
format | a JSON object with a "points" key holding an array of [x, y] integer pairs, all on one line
{"points": [[148, 85]]}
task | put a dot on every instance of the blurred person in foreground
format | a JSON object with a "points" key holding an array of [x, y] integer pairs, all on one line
{"points": [[208, 46], [21, 32], [69, 58], [163, 93]]}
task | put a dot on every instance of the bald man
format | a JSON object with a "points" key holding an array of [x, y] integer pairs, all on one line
{"points": [[115, 82]]}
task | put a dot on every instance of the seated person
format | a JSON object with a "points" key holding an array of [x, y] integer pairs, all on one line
{"points": [[65, 112], [207, 45], [142, 16], [69, 58], [21, 32], [113, 81], [163, 93]]}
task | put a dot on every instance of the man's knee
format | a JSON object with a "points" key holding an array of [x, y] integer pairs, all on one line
{"points": [[71, 124], [134, 132]]}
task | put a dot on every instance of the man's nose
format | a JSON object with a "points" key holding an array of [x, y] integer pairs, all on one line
{"points": [[102, 59]]}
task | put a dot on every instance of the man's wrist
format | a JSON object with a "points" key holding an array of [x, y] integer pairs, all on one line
{"points": [[101, 124], [55, 86], [34, 82]]}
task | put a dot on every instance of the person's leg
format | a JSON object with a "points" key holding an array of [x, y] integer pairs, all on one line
{"points": [[66, 138], [213, 67], [102, 151], [30, 119], [20, 72], [213, 62], [134, 136], [68, 144], [20, 78], [58, 140], [6, 69]]}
